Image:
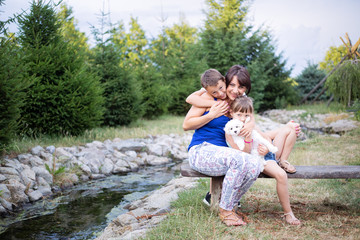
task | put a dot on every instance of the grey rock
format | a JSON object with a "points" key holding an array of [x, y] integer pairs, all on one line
{"points": [[107, 167], [43, 173], [50, 149], [36, 161], [95, 144], [129, 145], [35, 195], [5, 192], [2, 178], [125, 219], [6, 204], [37, 150], [43, 186], [131, 154], [85, 169], [61, 153], [8, 171], [97, 176], [156, 160], [17, 191], [137, 234], [2, 210], [24, 158]]}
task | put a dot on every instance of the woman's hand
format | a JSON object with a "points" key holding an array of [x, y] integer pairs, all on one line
{"points": [[248, 128], [295, 126], [218, 109], [262, 150]]}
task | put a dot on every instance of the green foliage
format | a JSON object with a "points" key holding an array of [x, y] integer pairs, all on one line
{"points": [[308, 79], [119, 93], [356, 108], [53, 171], [332, 58], [177, 55], [344, 83], [64, 96], [69, 31], [12, 85], [227, 41]]}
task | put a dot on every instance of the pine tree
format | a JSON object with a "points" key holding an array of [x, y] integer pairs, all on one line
{"points": [[308, 79], [122, 102], [155, 94], [12, 84], [64, 96], [177, 54]]}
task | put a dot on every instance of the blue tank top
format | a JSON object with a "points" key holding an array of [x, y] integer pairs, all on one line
{"points": [[213, 132]]}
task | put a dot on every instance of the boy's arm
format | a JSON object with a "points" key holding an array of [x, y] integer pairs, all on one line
{"points": [[200, 99], [195, 119]]}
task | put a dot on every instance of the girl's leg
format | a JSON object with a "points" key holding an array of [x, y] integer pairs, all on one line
{"points": [[273, 170], [284, 139]]}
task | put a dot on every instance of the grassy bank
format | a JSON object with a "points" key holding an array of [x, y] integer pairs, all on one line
{"points": [[139, 129], [328, 209]]}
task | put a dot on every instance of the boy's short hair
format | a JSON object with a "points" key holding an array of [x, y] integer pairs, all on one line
{"points": [[211, 77], [242, 104]]}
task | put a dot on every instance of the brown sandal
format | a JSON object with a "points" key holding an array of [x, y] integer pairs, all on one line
{"points": [[287, 166], [231, 219]]}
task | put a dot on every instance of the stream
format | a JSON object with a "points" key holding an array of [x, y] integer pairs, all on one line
{"points": [[85, 209]]}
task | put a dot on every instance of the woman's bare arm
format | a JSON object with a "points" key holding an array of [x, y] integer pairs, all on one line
{"points": [[195, 119], [200, 99]]}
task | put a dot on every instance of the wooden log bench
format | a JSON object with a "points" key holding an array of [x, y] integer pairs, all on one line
{"points": [[302, 172]]}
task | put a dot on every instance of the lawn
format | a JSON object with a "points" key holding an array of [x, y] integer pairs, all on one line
{"points": [[328, 209]]}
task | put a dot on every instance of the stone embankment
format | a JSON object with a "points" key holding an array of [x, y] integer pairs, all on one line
{"points": [[31, 176], [330, 123]]}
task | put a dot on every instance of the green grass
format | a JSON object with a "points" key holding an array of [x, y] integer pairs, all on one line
{"points": [[328, 209], [320, 108], [139, 129]]}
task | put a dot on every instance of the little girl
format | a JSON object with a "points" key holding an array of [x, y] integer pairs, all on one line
{"points": [[284, 139]]}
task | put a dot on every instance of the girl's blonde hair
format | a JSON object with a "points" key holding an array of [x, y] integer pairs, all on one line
{"points": [[242, 104]]}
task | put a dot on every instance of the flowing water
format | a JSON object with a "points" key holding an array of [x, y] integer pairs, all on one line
{"points": [[85, 209]]}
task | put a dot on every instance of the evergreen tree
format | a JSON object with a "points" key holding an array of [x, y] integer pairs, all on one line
{"points": [[155, 95], [308, 79], [110, 60], [177, 54], [64, 96], [227, 41], [12, 85]]}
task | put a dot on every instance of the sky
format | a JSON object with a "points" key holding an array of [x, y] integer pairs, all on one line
{"points": [[302, 30]]}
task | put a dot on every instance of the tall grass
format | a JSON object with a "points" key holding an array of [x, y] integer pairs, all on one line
{"points": [[328, 209]]}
